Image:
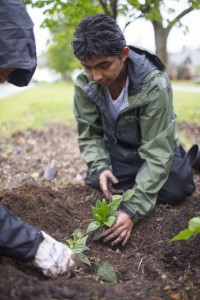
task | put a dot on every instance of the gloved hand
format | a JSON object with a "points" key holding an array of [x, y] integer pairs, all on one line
{"points": [[54, 258], [106, 181]]}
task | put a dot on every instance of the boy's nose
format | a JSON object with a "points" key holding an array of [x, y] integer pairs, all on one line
{"points": [[97, 75]]}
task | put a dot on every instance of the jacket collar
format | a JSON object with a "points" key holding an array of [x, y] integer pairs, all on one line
{"points": [[140, 64]]}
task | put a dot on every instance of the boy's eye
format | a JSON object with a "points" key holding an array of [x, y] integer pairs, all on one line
{"points": [[87, 68], [100, 66], [105, 66]]}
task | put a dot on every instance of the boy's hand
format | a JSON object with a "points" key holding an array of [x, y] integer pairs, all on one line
{"points": [[106, 181], [120, 231]]}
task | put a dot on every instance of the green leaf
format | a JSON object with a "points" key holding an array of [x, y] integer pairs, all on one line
{"points": [[77, 234], [113, 206], [98, 234], [128, 195], [97, 217], [110, 221], [183, 235], [93, 226], [70, 242], [80, 245], [194, 225], [106, 273], [104, 209], [116, 197], [84, 259], [192, 230], [96, 214], [100, 213], [98, 203]]}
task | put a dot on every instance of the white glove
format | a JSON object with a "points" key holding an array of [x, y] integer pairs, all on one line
{"points": [[54, 258]]}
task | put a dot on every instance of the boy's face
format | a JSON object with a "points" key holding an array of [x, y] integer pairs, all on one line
{"points": [[105, 69], [4, 73]]}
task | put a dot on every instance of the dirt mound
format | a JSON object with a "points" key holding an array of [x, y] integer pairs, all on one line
{"points": [[149, 267]]}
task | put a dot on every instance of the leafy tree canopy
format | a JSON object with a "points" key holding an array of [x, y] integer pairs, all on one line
{"points": [[75, 10], [163, 14]]}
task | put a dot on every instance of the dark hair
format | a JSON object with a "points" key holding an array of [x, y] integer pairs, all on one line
{"points": [[97, 35]]}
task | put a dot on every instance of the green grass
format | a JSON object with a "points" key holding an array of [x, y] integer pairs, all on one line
{"points": [[187, 106], [184, 83], [53, 103], [34, 108]]}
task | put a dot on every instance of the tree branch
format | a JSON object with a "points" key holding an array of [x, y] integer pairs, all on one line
{"points": [[104, 5], [113, 4], [133, 20], [177, 18]]}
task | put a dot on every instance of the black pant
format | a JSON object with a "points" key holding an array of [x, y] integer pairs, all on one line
{"points": [[179, 185]]}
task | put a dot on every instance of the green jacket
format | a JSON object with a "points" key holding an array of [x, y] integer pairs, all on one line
{"points": [[145, 130]]}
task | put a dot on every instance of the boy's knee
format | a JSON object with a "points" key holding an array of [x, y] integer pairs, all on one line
{"points": [[172, 198], [179, 186]]}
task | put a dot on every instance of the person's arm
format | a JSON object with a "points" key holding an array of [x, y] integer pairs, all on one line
{"points": [[158, 130], [90, 132], [17, 240], [17, 42], [26, 243]]}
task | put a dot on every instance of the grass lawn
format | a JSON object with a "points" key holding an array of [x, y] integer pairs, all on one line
{"points": [[50, 103], [187, 106], [185, 83], [34, 108]]}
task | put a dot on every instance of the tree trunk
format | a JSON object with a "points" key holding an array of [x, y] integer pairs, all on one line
{"points": [[161, 35], [110, 7]]}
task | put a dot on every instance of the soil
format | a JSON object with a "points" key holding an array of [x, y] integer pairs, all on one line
{"points": [[149, 267]]}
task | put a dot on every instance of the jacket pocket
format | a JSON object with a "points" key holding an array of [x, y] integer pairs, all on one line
{"points": [[128, 130]]}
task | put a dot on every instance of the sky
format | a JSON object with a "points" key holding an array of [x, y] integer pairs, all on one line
{"points": [[139, 34]]}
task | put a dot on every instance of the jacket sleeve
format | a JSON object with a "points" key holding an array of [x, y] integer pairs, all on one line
{"points": [[90, 132], [158, 130], [17, 42], [17, 240]]}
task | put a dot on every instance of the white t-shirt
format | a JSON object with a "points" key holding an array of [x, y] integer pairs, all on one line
{"points": [[114, 105]]}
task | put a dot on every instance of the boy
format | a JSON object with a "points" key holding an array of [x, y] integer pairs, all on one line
{"points": [[127, 129]]}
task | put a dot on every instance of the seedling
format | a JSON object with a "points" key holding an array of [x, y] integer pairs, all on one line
{"points": [[105, 271], [78, 245], [104, 214], [192, 230]]}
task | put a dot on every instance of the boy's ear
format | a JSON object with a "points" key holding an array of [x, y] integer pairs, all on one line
{"points": [[124, 53]]}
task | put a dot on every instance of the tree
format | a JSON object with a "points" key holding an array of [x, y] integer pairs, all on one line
{"points": [[60, 58], [59, 55], [160, 13], [163, 17]]}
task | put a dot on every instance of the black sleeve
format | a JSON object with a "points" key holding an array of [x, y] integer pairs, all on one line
{"points": [[17, 240], [17, 42]]}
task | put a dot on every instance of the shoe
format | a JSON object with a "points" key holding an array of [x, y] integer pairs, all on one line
{"points": [[194, 154]]}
